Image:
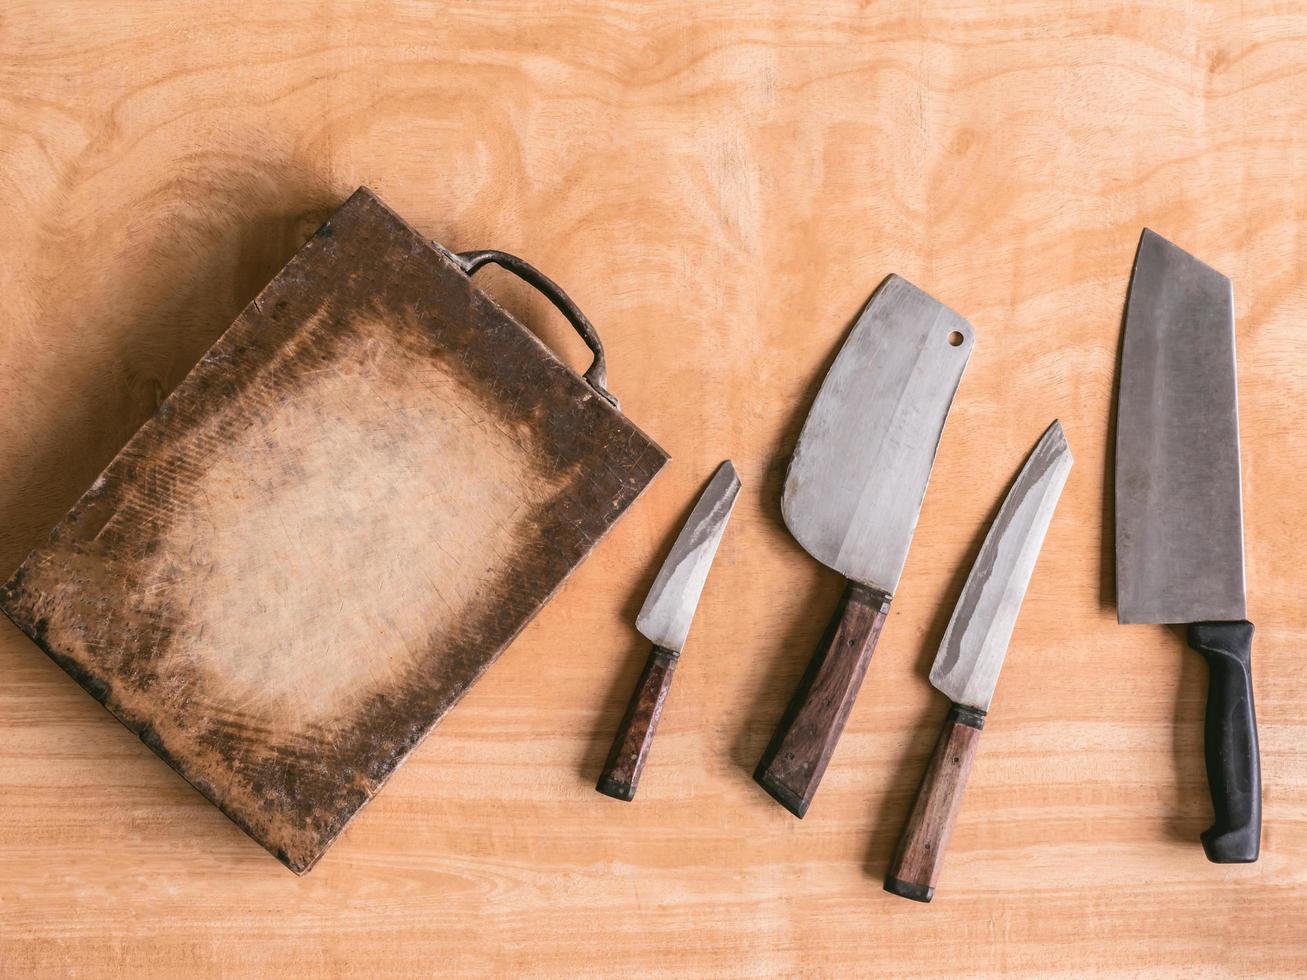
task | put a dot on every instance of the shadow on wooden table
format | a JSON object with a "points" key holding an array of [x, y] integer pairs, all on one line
{"points": [[782, 673], [102, 360], [822, 593], [1107, 552], [105, 345], [1191, 809], [1186, 819]]}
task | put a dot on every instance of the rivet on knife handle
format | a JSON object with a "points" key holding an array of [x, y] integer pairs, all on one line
{"points": [[635, 734], [792, 767], [1234, 772]]}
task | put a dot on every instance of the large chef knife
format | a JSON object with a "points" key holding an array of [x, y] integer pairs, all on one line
{"points": [[665, 620], [970, 655], [852, 494], [1179, 512]]}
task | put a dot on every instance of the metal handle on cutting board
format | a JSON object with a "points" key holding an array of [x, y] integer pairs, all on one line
{"points": [[597, 374]]}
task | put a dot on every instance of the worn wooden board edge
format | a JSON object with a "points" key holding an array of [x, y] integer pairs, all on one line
{"points": [[444, 255], [98, 689]]}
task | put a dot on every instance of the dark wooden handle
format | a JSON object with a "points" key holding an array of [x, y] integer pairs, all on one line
{"points": [[635, 734], [1234, 768], [920, 854], [792, 767]]}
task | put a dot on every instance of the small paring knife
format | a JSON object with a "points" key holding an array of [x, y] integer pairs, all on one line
{"points": [[971, 655], [665, 620], [852, 495], [1179, 511]]}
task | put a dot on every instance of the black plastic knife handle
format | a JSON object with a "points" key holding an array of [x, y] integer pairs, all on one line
{"points": [[1234, 768]]}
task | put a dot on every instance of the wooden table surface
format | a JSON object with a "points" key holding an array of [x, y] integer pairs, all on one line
{"points": [[720, 186]]}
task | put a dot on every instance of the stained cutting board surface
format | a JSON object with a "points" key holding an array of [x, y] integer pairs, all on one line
{"points": [[719, 184], [331, 528]]}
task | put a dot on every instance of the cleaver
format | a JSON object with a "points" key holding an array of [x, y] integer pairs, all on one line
{"points": [[1179, 510], [852, 495]]}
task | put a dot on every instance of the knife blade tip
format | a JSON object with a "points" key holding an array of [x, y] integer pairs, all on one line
{"points": [[727, 472], [1054, 441], [1156, 247]]}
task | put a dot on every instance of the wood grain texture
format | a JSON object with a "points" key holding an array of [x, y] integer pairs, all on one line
{"points": [[720, 187], [330, 530], [914, 869], [621, 773], [808, 733]]}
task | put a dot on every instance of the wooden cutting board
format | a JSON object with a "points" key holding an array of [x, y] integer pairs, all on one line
{"points": [[327, 533]]}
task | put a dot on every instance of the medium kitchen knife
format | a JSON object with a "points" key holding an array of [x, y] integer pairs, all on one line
{"points": [[970, 656], [665, 620], [852, 494], [1179, 510]]}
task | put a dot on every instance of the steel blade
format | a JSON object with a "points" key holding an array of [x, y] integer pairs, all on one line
{"points": [[667, 612], [859, 471], [1179, 512], [975, 642]]}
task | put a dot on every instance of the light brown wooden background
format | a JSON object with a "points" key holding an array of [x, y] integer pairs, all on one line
{"points": [[720, 186]]}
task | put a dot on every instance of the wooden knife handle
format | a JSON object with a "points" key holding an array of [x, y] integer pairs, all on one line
{"points": [[1234, 769], [635, 734], [920, 855], [792, 767]]}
